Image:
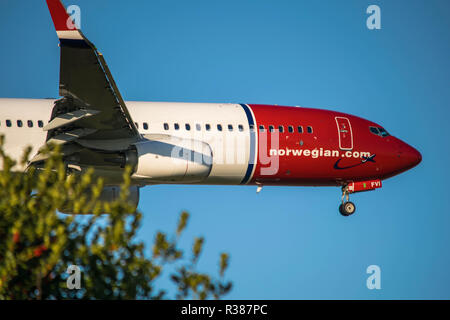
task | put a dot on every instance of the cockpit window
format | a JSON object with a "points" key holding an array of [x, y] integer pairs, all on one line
{"points": [[379, 131], [383, 132]]}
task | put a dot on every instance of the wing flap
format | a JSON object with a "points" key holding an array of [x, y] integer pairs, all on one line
{"points": [[70, 136], [67, 118]]}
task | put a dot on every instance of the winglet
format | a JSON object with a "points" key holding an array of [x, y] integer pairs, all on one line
{"points": [[65, 28]]}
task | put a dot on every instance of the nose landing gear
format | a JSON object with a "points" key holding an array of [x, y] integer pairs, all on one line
{"points": [[347, 208]]}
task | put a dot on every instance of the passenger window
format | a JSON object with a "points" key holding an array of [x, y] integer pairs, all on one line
{"points": [[271, 128], [281, 128], [30, 124], [187, 126], [300, 129], [137, 125], [252, 127], [208, 127], [241, 127], [166, 126], [291, 129], [8, 123], [198, 127], [40, 123], [230, 127], [309, 129], [19, 123], [261, 128], [145, 125], [219, 127], [176, 126]]}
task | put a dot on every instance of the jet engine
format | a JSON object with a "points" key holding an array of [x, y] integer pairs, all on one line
{"points": [[168, 159]]}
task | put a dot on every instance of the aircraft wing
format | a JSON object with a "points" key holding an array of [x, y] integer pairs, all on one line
{"points": [[92, 108]]}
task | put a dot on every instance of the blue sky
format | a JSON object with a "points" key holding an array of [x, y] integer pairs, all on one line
{"points": [[286, 242]]}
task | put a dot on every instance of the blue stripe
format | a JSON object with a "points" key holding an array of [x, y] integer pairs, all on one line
{"points": [[74, 43], [251, 159]]}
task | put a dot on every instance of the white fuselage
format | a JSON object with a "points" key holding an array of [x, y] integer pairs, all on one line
{"points": [[224, 127]]}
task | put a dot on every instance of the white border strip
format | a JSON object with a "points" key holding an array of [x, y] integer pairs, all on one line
{"points": [[69, 34]]}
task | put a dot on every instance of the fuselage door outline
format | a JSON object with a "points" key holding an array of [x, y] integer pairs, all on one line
{"points": [[345, 133]]}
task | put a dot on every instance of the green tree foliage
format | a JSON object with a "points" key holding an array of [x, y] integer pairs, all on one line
{"points": [[38, 244]]}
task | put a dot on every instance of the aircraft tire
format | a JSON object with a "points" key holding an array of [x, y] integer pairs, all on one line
{"points": [[346, 209]]}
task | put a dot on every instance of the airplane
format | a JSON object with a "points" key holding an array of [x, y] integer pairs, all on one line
{"points": [[193, 143]]}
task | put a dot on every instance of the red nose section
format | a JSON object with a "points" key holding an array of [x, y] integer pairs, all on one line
{"points": [[410, 156], [414, 157]]}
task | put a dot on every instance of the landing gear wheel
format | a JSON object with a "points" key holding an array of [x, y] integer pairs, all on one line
{"points": [[347, 208]]}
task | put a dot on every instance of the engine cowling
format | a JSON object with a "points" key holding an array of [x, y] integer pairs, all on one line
{"points": [[165, 158], [109, 194]]}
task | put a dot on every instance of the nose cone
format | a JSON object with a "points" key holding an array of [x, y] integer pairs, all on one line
{"points": [[409, 156], [416, 157]]}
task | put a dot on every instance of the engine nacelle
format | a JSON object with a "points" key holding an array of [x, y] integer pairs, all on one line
{"points": [[169, 159], [109, 194]]}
